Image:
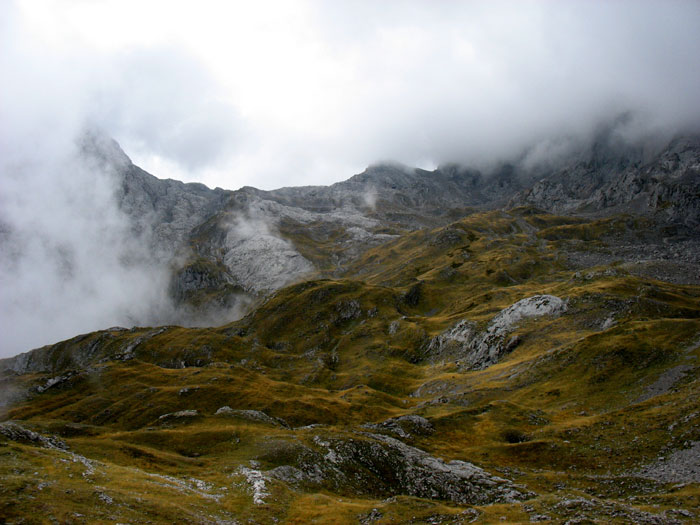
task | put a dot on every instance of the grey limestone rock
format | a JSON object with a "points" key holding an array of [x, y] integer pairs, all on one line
{"points": [[404, 427], [379, 465], [252, 415], [262, 262], [54, 381], [15, 432], [624, 180], [401, 469], [476, 350], [179, 415]]}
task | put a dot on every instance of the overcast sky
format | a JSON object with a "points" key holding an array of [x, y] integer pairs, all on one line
{"points": [[273, 94], [286, 93]]}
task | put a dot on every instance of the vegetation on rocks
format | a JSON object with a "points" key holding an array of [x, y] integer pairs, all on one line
{"points": [[473, 372]]}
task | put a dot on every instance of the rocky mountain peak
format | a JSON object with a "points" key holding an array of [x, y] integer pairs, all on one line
{"points": [[395, 347], [228, 247]]}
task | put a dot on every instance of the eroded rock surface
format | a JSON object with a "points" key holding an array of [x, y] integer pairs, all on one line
{"points": [[370, 463], [251, 415], [404, 427], [476, 350]]}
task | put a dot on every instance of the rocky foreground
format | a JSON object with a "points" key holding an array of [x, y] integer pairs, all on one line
{"points": [[507, 367]]}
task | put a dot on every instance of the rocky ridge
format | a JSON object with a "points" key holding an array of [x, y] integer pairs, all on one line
{"points": [[230, 247], [665, 186], [474, 350], [479, 370]]}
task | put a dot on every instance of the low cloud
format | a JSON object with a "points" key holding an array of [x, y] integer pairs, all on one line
{"points": [[69, 261], [165, 104], [274, 94], [277, 94]]}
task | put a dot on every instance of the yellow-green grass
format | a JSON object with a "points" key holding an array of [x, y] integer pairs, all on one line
{"points": [[558, 414]]}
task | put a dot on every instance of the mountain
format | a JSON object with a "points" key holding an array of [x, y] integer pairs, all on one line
{"points": [[665, 186], [452, 346], [229, 249]]}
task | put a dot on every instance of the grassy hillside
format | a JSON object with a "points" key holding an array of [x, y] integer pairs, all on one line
{"points": [[334, 387]]}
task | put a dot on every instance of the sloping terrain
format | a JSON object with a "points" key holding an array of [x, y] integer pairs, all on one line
{"points": [[665, 185], [226, 250], [510, 366]]}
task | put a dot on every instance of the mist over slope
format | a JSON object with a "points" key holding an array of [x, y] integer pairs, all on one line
{"points": [[287, 93], [496, 319], [69, 260], [90, 240], [511, 366]]}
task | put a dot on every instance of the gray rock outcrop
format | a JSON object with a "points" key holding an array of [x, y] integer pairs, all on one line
{"points": [[251, 415], [664, 186], [404, 427], [253, 242], [475, 350], [381, 465], [14, 432]]}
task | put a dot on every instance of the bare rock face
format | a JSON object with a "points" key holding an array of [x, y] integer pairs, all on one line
{"points": [[170, 217], [251, 415], [381, 465], [664, 186], [175, 219], [262, 262], [205, 288], [404, 427], [478, 350], [535, 306], [258, 241], [15, 432]]}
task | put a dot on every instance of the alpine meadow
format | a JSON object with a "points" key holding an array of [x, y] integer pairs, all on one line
{"points": [[496, 319]]}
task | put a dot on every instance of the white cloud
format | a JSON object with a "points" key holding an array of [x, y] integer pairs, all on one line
{"points": [[69, 262], [276, 93], [280, 93]]}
